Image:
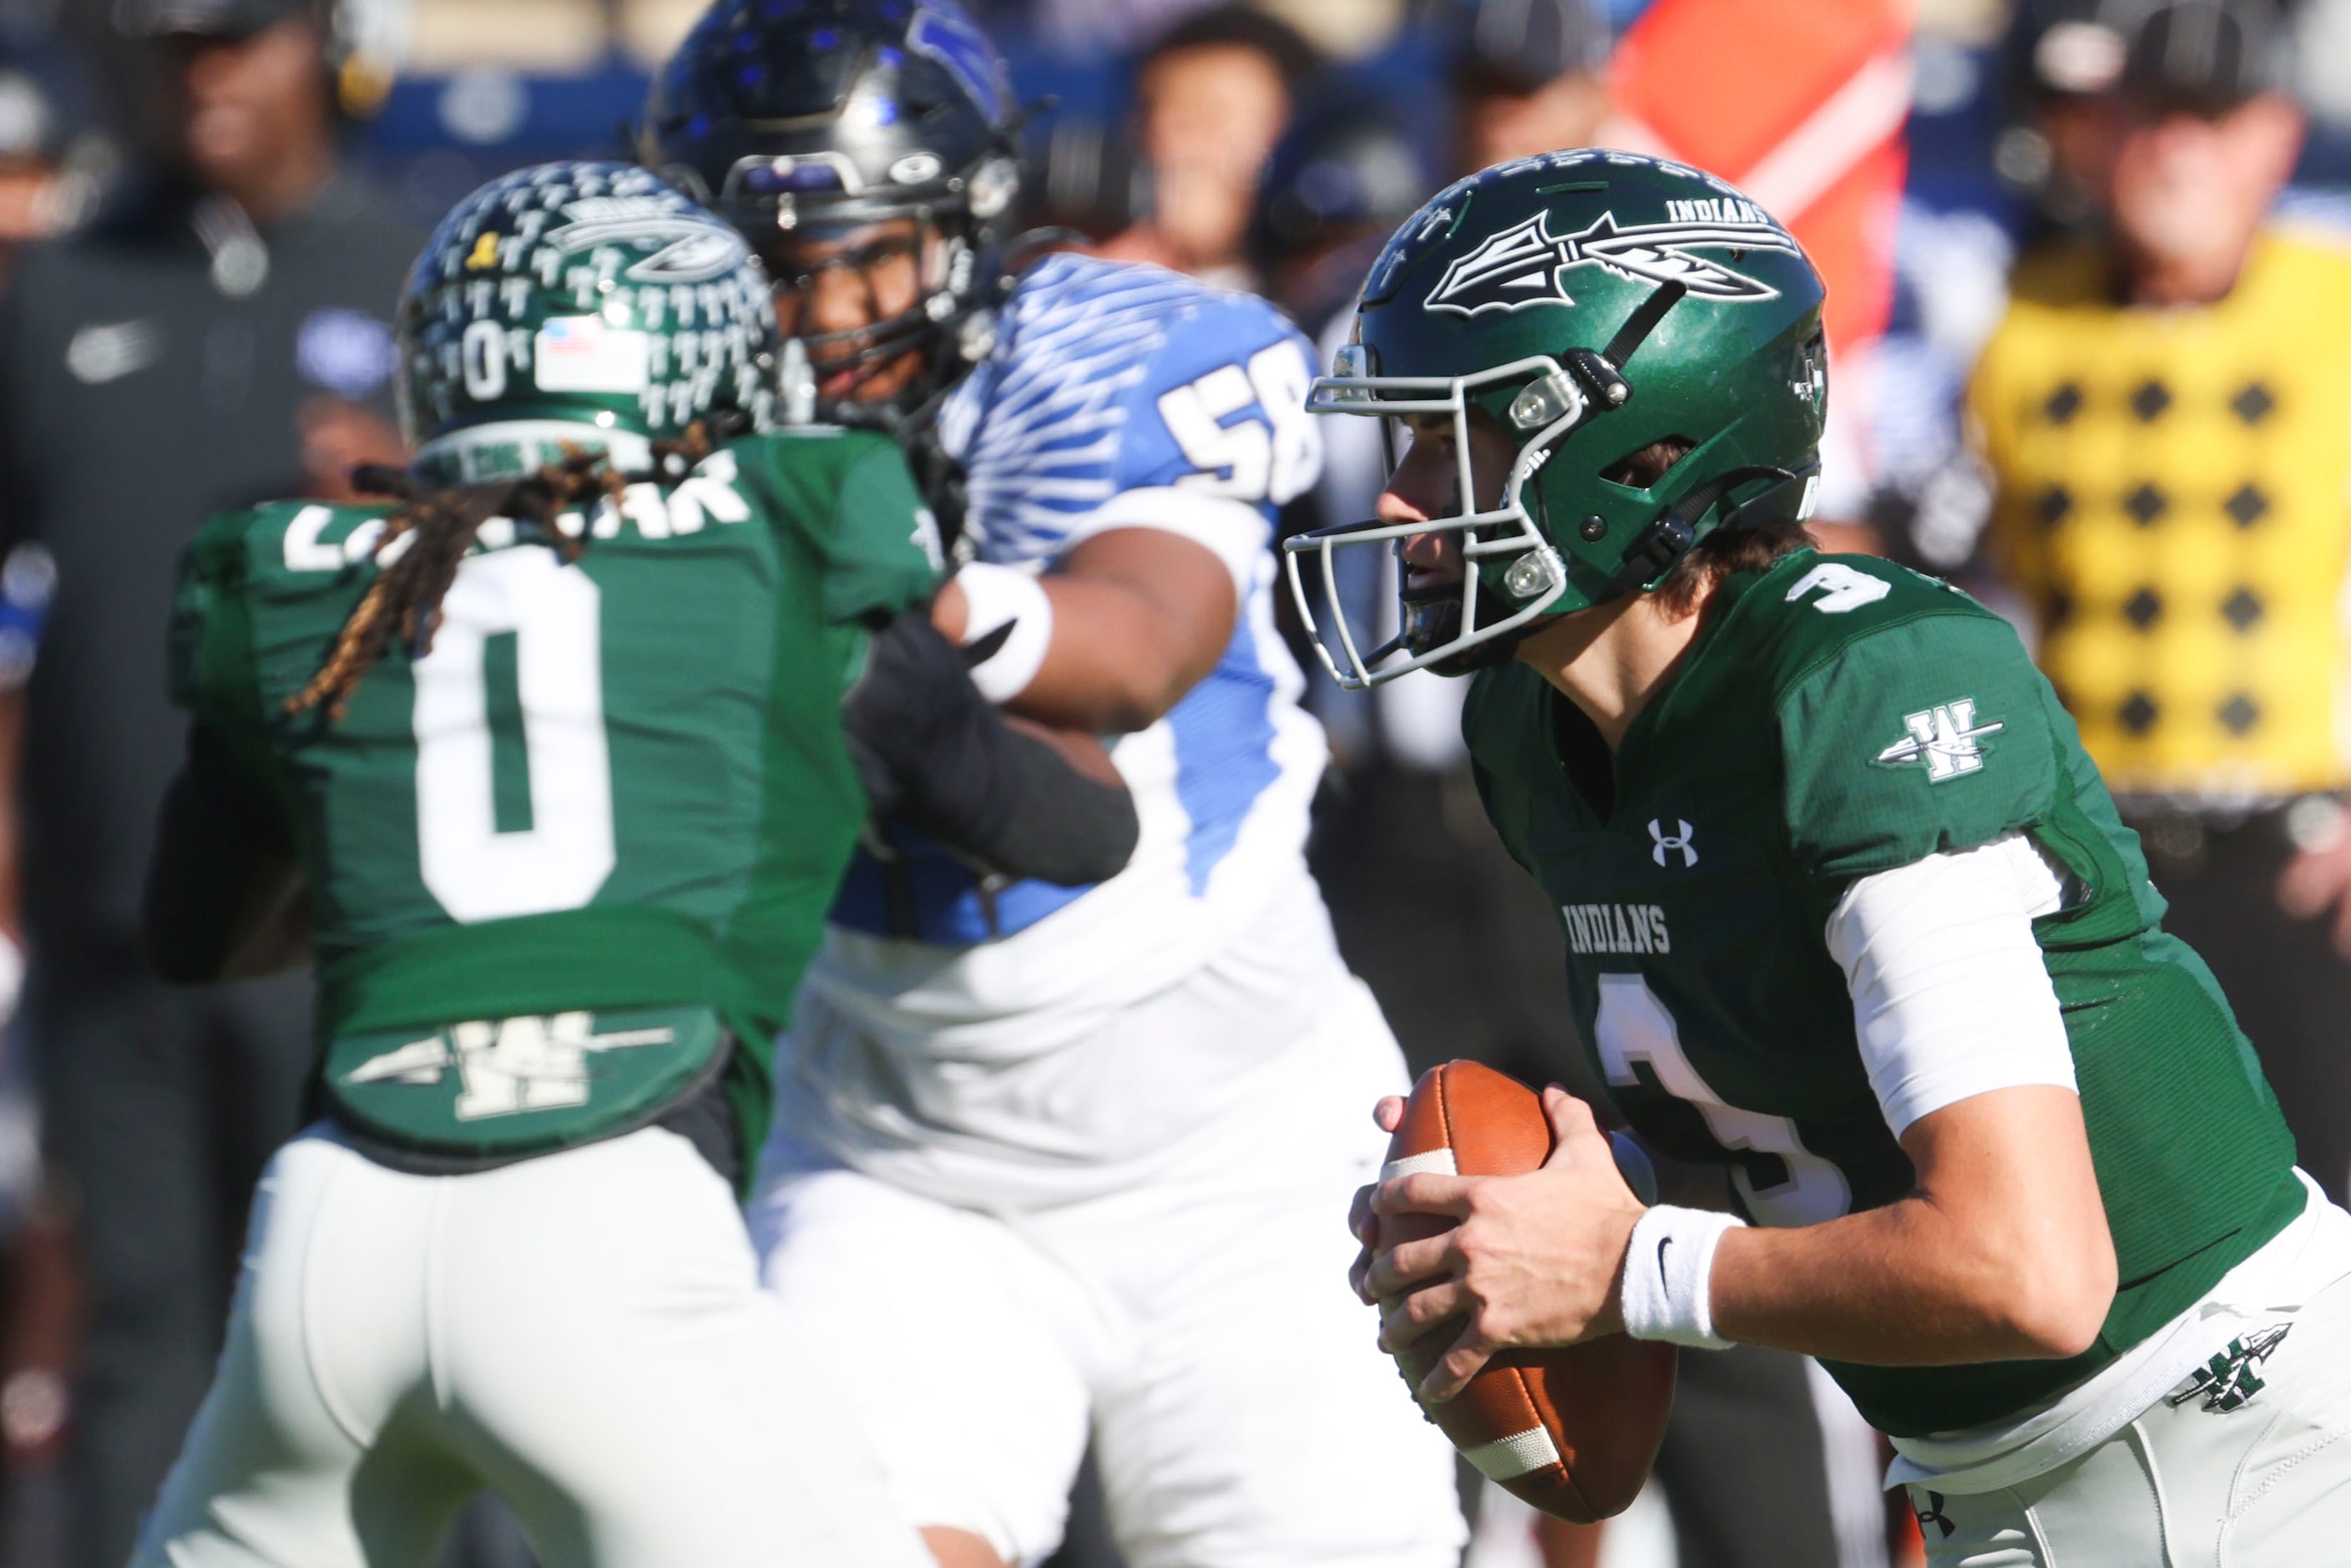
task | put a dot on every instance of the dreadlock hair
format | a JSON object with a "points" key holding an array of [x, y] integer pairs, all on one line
{"points": [[425, 540]]}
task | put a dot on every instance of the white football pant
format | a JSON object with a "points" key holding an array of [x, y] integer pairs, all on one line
{"points": [[581, 1334], [1199, 1327], [2262, 1484]]}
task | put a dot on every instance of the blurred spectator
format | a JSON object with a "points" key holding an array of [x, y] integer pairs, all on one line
{"points": [[219, 340], [1098, 27], [2062, 60], [1211, 97], [1341, 179], [2163, 411], [1525, 75], [53, 162]]}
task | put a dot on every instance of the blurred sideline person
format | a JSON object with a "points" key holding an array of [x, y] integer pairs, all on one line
{"points": [[1345, 174], [561, 856], [219, 337], [2163, 414], [54, 162], [1526, 76], [1010, 1115], [1212, 97]]}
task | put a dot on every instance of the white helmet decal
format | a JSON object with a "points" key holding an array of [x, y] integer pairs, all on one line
{"points": [[1527, 265]]}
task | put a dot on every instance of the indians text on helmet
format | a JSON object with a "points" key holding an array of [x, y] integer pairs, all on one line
{"points": [[1527, 265]]}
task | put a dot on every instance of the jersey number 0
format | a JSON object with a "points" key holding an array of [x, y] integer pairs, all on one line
{"points": [[552, 613]]}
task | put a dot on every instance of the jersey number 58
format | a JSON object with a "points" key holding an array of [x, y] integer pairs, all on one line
{"points": [[1270, 459]]}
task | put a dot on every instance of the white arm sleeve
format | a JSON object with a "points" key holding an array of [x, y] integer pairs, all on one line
{"points": [[1234, 532], [1950, 998]]}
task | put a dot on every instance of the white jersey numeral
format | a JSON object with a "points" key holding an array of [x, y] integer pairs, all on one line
{"points": [[485, 350], [1633, 1026], [1847, 589], [559, 860], [1273, 458]]}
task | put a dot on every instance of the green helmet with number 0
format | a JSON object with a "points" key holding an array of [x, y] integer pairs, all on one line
{"points": [[574, 297], [1590, 305]]}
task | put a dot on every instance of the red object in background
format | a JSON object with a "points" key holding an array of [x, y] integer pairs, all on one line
{"points": [[1801, 107]]}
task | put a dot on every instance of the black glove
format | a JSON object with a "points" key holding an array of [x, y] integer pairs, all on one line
{"points": [[936, 755]]}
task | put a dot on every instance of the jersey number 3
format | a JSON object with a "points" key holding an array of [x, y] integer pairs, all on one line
{"points": [[1633, 1026], [542, 621]]}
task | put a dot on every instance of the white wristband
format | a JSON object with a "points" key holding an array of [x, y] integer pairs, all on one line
{"points": [[1008, 607], [1668, 1275]]}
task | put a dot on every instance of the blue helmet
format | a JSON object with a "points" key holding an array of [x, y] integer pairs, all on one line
{"points": [[794, 117]]}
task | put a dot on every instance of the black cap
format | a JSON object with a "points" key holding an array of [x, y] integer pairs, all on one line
{"points": [[1341, 167], [206, 18], [2071, 48], [2205, 56], [1521, 44]]}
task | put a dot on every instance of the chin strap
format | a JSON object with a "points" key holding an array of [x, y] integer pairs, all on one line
{"points": [[1642, 322], [1655, 551]]}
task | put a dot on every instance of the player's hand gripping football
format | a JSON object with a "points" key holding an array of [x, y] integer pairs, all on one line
{"points": [[1532, 1261]]}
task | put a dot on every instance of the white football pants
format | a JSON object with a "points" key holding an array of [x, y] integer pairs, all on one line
{"points": [[1199, 1327], [581, 1334], [2266, 1484]]}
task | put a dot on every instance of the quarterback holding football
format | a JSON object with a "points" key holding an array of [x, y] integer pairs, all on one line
{"points": [[1847, 910]]}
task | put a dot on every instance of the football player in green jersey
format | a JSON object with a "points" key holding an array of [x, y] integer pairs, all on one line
{"points": [[1847, 910], [553, 764]]}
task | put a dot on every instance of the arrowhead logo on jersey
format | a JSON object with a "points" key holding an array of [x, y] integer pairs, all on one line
{"points": [[507, 1066], [2227, 1381], [1945, 738], [1527, 265], [1677, 841]]}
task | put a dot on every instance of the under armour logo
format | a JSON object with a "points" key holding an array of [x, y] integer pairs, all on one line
{"points": [[2227, 1381], [1933, 1514], [1662, 841], [1945, 738]]}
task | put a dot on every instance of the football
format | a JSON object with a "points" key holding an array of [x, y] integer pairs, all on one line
{"points": [[1572, 1431]]}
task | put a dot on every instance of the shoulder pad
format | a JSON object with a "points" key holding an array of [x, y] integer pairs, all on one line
{"points": [[1809, 607]]}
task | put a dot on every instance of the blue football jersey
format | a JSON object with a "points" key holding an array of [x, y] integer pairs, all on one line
{"points": [[1123, 395]]}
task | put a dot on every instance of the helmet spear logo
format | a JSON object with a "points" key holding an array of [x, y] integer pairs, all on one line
{"points": [[1527, 265]]}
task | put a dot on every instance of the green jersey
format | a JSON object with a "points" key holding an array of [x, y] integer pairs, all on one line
{"points": [[557, 862], [1838, 716]]}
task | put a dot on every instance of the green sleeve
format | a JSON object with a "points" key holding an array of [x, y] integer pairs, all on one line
{"points": [[226, 813], [882, 547], [212, 675], [219, 831], [1930, 735]]}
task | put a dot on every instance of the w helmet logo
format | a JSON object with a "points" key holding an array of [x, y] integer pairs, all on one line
{"points": [[1527, 265], [1679, 840]]}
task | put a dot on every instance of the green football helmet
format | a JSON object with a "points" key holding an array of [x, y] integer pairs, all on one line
{"points": [[570, 299], [1589, 304]]}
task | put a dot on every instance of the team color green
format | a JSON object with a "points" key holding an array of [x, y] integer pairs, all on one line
{"points": [[557, 863], [1837, 716]]}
